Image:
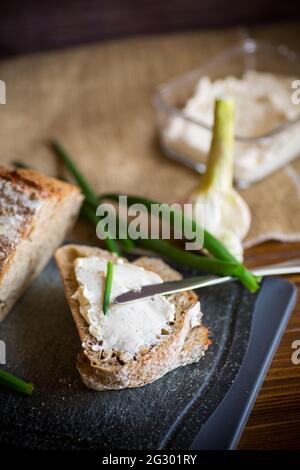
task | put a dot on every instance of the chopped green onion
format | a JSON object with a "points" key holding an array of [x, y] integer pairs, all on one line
{"points": [[11, 381], [107, 288]]}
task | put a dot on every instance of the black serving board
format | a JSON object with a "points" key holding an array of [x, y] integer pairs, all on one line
{"points": [[193, 406]]}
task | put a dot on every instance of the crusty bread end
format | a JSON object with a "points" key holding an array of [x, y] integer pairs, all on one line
{"points": [[35, 213]]}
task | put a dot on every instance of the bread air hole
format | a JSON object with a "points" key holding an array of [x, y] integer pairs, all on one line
{"points": [[106, 354], [164, 332], [120, 361]]}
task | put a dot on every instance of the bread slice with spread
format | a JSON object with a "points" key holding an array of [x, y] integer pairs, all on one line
{"points": [[35, 213], [136, 343]]}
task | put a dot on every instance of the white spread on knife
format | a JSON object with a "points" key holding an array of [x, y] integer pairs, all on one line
{"points": [[126, 327]]}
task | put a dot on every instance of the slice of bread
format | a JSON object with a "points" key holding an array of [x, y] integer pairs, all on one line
{"points": [[104, 370], [35, 213]]}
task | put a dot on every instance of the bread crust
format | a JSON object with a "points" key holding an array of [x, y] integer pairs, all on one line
{"points": [[183, 346], [35, 213], [36, 187], [34, 182]]}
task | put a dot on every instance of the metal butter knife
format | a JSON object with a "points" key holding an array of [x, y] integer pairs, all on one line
{"points": [[172, 287]]}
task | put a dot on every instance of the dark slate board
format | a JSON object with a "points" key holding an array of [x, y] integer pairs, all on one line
{"points": [[42, 344]]}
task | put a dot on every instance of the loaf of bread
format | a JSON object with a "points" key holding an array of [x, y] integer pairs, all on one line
{"points": [[35, 214], [185, 342]]}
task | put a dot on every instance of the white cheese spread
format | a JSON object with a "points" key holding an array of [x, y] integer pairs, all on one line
{"points": [[125, 327], [263, 102]]}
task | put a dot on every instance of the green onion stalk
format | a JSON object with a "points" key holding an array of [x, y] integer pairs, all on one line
{"points": [[203, 263], [13, 382], [224, 262], [227, 215], [89, 210], [210, 243]]}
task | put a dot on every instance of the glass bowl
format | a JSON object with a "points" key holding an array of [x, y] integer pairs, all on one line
{"points": [[281, 143]]}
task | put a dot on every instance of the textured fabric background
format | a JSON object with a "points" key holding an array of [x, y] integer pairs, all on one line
{"points": [[97, 100]]}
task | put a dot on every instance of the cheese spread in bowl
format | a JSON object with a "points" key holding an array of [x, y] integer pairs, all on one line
{"points": [[267, 130]]}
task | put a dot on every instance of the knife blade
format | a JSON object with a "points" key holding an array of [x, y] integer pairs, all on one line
{"points": [[172, 287]]}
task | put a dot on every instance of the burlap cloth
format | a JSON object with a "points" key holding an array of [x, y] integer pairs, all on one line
{"points": [[97, 100]]}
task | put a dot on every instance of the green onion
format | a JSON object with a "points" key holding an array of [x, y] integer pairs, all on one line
{"points": [[22, 165], [224, 264], [205, 264], [87, 190], [86, 210], [72, 167], [11, 381], [211, 244], [108, 284], [90, 215], [215, 188], [127, 243]]}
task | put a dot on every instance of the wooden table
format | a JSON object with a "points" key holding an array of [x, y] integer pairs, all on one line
{"points": [[275, 420]]}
